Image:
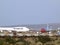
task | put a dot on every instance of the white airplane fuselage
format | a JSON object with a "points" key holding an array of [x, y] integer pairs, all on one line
{"points": [[17, 29]]}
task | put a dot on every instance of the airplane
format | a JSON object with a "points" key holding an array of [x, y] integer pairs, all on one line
{"points": [[17, 29]]}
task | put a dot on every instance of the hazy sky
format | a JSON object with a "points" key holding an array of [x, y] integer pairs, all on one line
{"points": [[13, 12]]}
